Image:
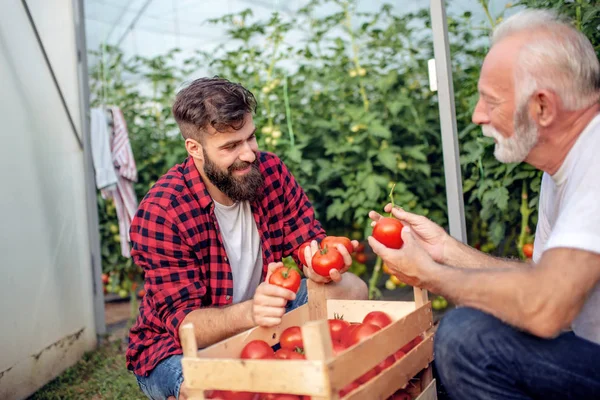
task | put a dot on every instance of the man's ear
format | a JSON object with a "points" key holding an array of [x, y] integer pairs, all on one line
{"points": [[194, 149], [544, 107]]}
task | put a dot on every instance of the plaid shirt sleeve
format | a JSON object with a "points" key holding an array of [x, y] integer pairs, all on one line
{"points": [[172, 274], [300, 224]]}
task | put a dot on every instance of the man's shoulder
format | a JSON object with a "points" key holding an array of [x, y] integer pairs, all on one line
{"points": [[169, 188]]}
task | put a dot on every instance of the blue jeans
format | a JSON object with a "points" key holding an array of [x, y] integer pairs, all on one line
{"points": [[479, 357], [165, 379]]}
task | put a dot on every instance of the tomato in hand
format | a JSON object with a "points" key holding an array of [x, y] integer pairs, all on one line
{"points": [[528, 250], [301, 252], [287, 278], [332, 241], [388, 231], [336, 328], [291, 338], [327, 259], [378, 318], [257, 350]]}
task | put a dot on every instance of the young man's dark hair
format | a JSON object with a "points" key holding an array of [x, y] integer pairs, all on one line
{"points": [[214, 102]]}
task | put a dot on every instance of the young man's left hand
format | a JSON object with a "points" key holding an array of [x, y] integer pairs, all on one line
{"points": [[334, 274]]}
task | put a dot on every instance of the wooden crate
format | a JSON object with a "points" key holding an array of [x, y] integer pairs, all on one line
{"points": [[321, 375]]}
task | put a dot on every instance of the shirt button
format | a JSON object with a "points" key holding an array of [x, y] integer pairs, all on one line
{"points": [[225, 259], [227, 297]]}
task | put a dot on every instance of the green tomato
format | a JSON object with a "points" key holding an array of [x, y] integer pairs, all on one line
{"points": [[389, 285]]}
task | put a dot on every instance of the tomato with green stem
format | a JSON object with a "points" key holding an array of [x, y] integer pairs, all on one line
{"points": [[286, 277], [327, 259], [332, 241]]}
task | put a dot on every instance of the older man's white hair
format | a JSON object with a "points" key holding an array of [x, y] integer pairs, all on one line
{"points": [[557, 57]]}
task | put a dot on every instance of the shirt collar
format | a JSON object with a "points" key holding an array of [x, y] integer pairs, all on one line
{"points": [[195, 183]]}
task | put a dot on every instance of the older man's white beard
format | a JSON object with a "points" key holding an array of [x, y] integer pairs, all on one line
{"points": [[515, 148]]}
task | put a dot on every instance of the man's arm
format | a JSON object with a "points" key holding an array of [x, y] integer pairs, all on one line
{"points": [[212, 325], [460, 255], [541, 300]]}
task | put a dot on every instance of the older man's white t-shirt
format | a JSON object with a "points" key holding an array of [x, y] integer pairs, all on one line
{"points": [[569, 216]]}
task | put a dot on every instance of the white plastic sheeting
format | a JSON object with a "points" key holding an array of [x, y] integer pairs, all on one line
{"points": [[46, 291]]}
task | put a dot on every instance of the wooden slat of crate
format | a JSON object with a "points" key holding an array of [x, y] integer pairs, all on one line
{"points": [[430, 392], [256, 375], [358, 360], [396, 376]]}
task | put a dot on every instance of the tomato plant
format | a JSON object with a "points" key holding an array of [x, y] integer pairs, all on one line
{"points": [[286, 277]]}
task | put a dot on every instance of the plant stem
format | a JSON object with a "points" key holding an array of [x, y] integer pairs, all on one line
{"points": [[487, 12], [578, 15], [374, 293], [392, 198], [525, 212], [363, 91], [288, 112]]}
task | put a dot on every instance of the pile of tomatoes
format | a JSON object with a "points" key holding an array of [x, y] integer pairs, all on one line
{"points": [[343, 335]]}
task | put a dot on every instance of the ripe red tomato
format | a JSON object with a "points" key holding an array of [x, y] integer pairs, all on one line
{"points": [[399, 354], [336, 328], [362, 332], [372, 373], [528, 250], [361, 258], [230, 395], [257, 350], [378, 318], [287, 354], [327, 259], [410, 345], [388, 362], [348, 388], [338, 347], [388, 231], [347, 334], [360, 248], [301, 252], [105, 279], [332, 241], [401, 395], [291, 338], [287, 278]]}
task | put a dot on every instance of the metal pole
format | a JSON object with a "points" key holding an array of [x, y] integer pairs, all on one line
{"points": [[454, 192], [90, 181]]}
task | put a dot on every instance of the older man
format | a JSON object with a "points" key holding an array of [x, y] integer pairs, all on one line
{"points": [[525, 330]]}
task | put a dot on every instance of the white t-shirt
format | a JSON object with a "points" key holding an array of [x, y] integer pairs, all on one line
{"points": [[242, 245], [569, 216]]}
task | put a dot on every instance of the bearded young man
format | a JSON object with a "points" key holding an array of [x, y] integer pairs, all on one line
{"points": [[211, 230], [526, 330]]}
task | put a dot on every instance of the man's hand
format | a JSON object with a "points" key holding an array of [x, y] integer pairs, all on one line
{"points": [[268, 305], [429, 235], [334, 274], [411, 263]]}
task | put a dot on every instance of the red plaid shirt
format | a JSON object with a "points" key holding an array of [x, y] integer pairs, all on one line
{"points": [[176, 240]]}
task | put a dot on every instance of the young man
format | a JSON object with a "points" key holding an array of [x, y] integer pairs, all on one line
{"points": [[209, 233], [539, 90]]}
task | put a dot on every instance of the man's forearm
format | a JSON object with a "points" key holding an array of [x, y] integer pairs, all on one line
{"points": [[457, 254], [212, 325], [502, 292]]}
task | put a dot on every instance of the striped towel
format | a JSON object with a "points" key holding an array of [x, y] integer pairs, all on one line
{"points": [[123, 193]]}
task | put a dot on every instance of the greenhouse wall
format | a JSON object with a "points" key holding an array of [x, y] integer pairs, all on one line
{"points": [[47, 291]]}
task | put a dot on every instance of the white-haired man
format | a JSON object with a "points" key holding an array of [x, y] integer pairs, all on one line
{"points": [[525, 330]]}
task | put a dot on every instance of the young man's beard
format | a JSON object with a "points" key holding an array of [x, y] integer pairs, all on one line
{"points": [[247, 187]]}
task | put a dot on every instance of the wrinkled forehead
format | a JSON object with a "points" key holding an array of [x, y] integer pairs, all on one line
{"points": [[498, 70]]}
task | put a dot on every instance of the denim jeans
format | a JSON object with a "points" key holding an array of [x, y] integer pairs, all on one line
{"points": [[479, 357], [165, 379]]}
